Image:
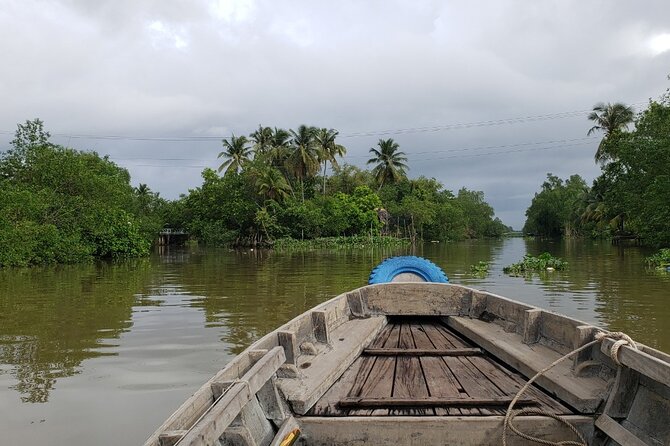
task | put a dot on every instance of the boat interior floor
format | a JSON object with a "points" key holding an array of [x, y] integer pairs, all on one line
{"points": [[420, 367]]}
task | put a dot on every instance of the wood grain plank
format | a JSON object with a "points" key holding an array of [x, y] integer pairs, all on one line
{"points": [[327, 405], [472, 381], [422, 352], [379, 382], [409, 381], [440, 380]]}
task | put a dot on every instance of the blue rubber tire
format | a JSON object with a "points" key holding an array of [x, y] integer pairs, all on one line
{"points": [[393, 266]]}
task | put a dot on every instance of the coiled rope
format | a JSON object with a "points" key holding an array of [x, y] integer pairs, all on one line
{"points": [[621, 340]]}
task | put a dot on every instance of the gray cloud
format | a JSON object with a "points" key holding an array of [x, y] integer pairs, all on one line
{"points": [[184, 68]]}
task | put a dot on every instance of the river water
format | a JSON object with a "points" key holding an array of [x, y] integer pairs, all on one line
{"points": [[103, 353]]}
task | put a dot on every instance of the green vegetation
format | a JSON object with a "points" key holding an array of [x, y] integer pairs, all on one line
{"points": [[62, 205], [480, 269], [543, 262], [630, 197], [276, 192], [356, 241], [660, 260]]}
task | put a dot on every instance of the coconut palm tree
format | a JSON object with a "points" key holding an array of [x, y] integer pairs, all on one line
{"points": [[271, 183], [262, 139], [236, 153], [303, 161], [328, 150], [390, 163], [609, 118], [279, 151]]}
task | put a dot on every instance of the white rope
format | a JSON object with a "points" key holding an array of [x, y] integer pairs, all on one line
{"points": [[621, 339]]}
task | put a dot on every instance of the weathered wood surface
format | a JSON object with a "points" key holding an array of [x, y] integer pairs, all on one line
{"points": [[337, 312], [434, 383], [640, 361], [376, 375], [250, 427], [170, 438], [432, 401], [623, 393], [422, 352], [617, 432], [416, 299], [438, 431], [319, 373], [649, 414], [584, 393], [289, 426], [225, 409], [321, 328]]}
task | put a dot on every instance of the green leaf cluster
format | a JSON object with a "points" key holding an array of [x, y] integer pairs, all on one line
{"points": [[659, 260], [543, 262]]}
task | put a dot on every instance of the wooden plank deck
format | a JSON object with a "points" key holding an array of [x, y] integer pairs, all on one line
{"points": [[470, 385]]}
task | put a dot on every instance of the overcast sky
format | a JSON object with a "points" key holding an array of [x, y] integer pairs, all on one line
{"points": [[448, 80]]}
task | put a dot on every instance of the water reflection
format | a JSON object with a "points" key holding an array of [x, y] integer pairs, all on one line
{"points": [[249, 293], [52, 319]]}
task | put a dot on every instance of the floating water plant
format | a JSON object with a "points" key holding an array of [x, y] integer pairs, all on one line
{"points": [[543, 262], [480, 269]]}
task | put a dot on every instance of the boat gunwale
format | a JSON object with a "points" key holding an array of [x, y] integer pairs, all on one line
{"points": [[472, 303]]}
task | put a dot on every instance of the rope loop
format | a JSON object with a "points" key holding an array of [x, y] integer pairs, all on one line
{"points": [[620, 340]]}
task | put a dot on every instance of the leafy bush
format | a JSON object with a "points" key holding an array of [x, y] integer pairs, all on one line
{"points": [[660, 260], [529, 263]]}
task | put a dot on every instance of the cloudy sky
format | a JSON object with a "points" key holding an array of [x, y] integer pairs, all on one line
{"points": [[486, 95]]}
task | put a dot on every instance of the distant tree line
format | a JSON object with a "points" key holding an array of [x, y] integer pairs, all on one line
{"points": [[630, 197], [273, 187], [60, 205]]}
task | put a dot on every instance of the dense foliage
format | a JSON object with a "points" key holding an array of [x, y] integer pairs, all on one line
{"points": [[63, 205], [271, 191], [629, 198]]}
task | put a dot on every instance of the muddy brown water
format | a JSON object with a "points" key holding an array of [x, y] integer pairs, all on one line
{"points": [[103, 353]]}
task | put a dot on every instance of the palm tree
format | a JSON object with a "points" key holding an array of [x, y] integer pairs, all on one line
{"points": [[609, 118], [303, 161], [328, 150], [390, 162], [262, 139], [237, 154], [279, 151], [271, 183]]}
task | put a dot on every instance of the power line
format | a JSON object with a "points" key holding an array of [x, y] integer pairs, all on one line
{"points": [[444, 127], [411, 154], [503, 152]]}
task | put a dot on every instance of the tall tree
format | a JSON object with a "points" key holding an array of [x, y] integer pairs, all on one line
{"points": [[262, 140], [609, 118], [303, 161], [328, 150], [271, 183], [236, 154], [390, 162]]}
